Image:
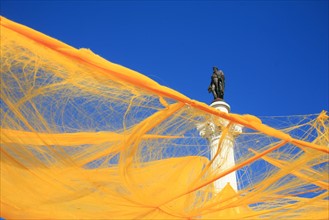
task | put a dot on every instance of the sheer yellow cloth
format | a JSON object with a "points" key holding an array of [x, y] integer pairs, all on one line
{"points": [[84, 138]]}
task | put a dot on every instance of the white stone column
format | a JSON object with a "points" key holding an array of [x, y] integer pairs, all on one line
{"points": [[213, 130]]}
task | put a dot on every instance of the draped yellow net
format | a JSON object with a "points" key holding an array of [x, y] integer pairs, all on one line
{"points": [[84, 138]]}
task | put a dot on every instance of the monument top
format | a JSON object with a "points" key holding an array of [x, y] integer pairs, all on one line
{"points": [[217, 84], [221, 106]]}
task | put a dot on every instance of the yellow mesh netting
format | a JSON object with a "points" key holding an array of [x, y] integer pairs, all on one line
{"points": [[82, 137]]}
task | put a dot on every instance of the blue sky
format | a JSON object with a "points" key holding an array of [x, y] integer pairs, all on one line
{"points": [[274, 53]]}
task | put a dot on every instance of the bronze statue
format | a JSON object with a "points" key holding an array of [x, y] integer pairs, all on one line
{"points": [[217, 84]]}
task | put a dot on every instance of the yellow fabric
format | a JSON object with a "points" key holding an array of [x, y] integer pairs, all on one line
{"points": [[84, 138]]}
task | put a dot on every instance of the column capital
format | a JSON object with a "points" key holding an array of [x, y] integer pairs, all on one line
{"points": [[212, 128]]}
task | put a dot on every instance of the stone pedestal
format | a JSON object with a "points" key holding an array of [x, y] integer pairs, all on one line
{"points": [[222, 153]]}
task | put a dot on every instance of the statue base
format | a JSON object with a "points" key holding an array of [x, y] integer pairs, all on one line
{"points": [[221, 105], [217, 99]]}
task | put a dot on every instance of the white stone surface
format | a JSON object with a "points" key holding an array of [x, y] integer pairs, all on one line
{"points": [[221, 106], [222, 153]]}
